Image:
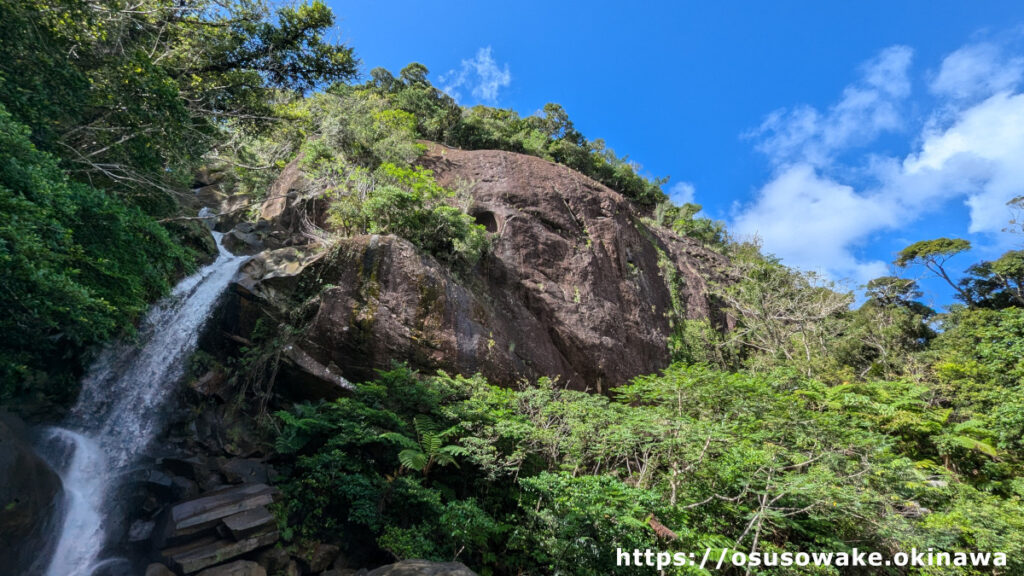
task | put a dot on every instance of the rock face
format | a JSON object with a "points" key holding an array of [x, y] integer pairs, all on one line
{"points": [[576, 286], [30, 498]]}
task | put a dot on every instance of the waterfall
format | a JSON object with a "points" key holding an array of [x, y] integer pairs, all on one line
{"points": [[118, 412]]}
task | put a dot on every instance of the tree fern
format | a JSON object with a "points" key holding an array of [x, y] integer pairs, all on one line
{"points": [[428, 449]]}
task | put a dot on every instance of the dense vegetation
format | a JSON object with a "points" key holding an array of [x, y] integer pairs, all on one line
{"points": [[78, 265], [107, 109], [810, 426], [543, 480]]}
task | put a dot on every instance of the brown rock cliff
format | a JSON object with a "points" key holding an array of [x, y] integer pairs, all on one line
{"points": [[576, 285]]}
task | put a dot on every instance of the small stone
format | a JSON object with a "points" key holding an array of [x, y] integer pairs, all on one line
{"points": [[158, 570], [183, 488], [321, 557], [140, 531]]}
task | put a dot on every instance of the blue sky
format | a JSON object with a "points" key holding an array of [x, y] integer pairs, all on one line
{"points": [[837, 132]]}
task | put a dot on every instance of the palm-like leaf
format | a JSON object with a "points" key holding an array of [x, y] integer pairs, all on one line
{"points": [[428, 449], [413, 459], [401, 439]]}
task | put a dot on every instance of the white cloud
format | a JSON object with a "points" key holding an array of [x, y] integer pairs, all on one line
{"points": [[977, 70], [812, 222], [969, 152], [866, 109], [682, 193], [481, 75], [978, 155]]}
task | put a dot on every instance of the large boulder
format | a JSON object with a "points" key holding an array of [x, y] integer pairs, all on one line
{"points": [[577, 285], [30, 498], [295, 210], [422, 568]]}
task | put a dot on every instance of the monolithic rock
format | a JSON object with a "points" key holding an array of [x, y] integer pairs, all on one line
{"points": [[577, 285]]}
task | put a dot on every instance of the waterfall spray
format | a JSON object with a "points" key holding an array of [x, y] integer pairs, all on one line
{"points": [[117, 414]]}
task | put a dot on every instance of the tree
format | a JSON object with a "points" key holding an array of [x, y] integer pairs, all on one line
{"points": [[132, 97], [999, 283], [781, 312], [933, 255], [892, 291], [78, 266], [415, 74]]}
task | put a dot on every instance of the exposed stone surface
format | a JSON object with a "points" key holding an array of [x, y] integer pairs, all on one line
{"points": [[575, 286], [30, 498], [242, 240], [250, 522], [237, 568], [213, 191], [199, 515], [212, 383], [422, 568], [141, 531], [205, 552], [293, 209]]}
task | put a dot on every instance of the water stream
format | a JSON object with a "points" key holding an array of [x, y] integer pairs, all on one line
{"points": [[119, 412]]}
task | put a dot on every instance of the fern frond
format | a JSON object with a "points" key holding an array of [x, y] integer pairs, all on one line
{"points": [[413, 459], [400, 439]]}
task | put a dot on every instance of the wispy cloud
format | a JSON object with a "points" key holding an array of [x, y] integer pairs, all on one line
{"points": [[481, 75], [866, 109], [682, 193], [815, 215], [977, 70]]}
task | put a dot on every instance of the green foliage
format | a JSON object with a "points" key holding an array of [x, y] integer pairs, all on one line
{"points": [[408, 202], [553, 481], [106, 111], [427, 449], [683, 221], [79, 266], [550, 135], [784, 316], [996, 284], [929, 251], [933, 255], [979, 374], [573, 524], [133, 96]]}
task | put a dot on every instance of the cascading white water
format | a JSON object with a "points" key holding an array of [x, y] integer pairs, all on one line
{"points": [[117, 414]]}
